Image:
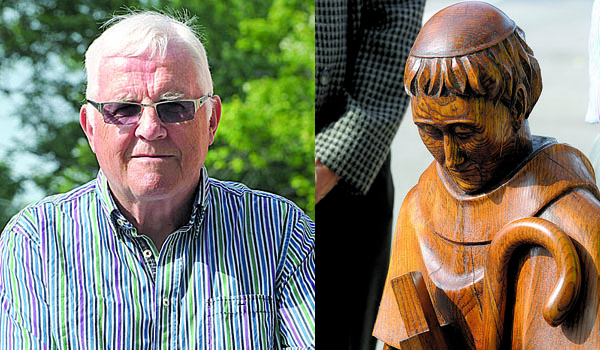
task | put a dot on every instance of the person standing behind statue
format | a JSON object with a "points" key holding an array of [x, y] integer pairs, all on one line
{"points": [[361, 48]]}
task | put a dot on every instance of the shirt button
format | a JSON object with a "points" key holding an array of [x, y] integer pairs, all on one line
{"points": [[147, 253], [166, 302], [325, 77]]}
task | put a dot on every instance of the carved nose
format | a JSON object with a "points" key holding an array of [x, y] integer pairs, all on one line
{"points": [[452, 154]]}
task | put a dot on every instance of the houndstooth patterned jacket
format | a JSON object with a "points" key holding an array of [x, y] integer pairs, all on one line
{"points": [[360, 98]]}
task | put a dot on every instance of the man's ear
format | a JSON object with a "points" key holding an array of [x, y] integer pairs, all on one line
{"points": [[519, 107], [215, 117], [87, 124]]}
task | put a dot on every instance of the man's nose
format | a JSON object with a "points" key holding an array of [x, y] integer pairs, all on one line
{"points": [[452, 154], [150, 127]]}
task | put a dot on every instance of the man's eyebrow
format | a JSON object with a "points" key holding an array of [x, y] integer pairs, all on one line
{"points": [[168, 96], [125, 96]]}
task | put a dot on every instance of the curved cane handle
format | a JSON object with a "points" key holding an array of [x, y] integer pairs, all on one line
{"points": [[564, 294]]}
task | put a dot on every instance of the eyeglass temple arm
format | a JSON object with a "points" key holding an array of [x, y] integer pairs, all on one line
{"points": [[95, 104]]}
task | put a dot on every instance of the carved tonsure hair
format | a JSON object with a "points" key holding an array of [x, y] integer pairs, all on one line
{"points": [[472, 49], [493, 73]]}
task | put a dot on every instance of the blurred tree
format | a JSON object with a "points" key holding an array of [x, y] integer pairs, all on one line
{"points": [[8, 190], [266, 137], [261, 55]]}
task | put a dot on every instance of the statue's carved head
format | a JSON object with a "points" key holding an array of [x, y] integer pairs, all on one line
{"points": [[473, 82]]}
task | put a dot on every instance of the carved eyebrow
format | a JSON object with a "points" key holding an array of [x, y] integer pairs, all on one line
{"points": [[442, 120], [423, 121], [448, 123], [460, 121]]}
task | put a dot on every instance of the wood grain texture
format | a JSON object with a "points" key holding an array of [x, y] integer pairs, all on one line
{"points": [[504, 226], [418, 313], [441, 233], [562, 297]]}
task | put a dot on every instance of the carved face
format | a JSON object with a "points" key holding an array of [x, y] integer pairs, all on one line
{"points": [[471, 138]]}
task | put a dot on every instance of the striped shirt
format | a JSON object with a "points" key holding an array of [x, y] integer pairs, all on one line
{"points": [[74, 274]]}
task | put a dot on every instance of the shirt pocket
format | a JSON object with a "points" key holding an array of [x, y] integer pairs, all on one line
{"points": [[242, 322]]}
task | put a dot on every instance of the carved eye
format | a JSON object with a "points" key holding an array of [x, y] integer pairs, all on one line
{"points": [[430, 131], [463, 131]]}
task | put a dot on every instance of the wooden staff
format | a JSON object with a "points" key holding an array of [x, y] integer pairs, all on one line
{"points": [[564, 294]]}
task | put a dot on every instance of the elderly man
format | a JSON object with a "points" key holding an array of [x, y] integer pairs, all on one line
{"points": [[493, 190], [153, 253]]}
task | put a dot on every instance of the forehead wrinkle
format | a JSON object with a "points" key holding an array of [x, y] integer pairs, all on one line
{"points": [[138, 79], [431, 111], [126, 78]]}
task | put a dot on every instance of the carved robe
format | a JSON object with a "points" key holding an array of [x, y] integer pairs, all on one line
{"points": [[446, 235]]}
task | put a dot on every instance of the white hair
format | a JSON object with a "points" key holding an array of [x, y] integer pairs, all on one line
{"points": [[145, 34]]}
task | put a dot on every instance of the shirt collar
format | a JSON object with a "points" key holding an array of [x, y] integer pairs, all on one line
{"points": [[120, 223]]}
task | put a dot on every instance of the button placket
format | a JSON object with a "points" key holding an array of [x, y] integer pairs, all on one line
{"points": [[167, 284], [325, 77], [147, 255]]}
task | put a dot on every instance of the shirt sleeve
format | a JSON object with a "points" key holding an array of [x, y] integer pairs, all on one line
{"points": [[296, 288], [24, 316], [357, 143]]}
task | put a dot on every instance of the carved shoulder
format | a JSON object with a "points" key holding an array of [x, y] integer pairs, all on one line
{"points": [[578, 214]]}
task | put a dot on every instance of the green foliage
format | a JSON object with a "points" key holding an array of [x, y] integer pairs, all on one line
{"points": [[9, 189], [262, 60], [266, 137]]}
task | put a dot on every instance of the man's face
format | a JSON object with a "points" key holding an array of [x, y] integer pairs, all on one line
{"points": [[150, 160], [471, 138]]}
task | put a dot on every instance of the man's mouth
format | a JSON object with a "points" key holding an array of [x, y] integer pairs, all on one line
{"points": [[156, 156]]}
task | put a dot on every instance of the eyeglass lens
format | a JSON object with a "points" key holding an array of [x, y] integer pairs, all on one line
{"points": [[129, 113]]}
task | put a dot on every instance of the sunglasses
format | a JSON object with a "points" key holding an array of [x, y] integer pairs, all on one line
{"points": [[127, 113]]}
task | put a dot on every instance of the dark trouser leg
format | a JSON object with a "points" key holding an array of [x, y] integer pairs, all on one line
{"points": [[354, 237]]}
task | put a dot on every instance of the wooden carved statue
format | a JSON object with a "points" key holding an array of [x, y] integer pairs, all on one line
{"points": [[498, 245]]}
